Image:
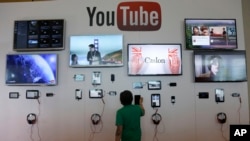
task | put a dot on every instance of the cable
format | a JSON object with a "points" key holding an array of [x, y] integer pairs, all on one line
{"points": [[93, 127], [37, 122], [155, 138], [31, 133], [222, 133], [39, 112], [239, 108]]}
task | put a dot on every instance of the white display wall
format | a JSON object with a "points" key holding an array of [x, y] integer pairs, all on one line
{"points": [[62, 117]]}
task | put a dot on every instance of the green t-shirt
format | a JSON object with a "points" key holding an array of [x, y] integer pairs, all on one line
{"points": [[129, 117]]}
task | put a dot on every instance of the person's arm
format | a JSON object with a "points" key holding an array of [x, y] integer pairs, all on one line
{"points": [[142, 107], [118, 133], [88, 56]]}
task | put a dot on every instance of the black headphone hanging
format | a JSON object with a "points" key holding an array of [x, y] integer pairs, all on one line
{"points": [[221, 117], [31, 118], [95, 118], [156, 118]]}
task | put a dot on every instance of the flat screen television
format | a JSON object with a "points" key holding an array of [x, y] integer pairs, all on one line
{"points": [[96, 51], [38, 35], [220, 66], [31, 69], [154, 59], [210, 34]]}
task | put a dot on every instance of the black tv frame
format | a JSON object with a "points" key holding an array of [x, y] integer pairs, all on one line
{"points": [[188, 35], [39, 35]]}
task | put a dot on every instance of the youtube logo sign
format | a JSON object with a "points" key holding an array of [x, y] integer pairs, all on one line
{"points": [[139, 16], [130, 16]]}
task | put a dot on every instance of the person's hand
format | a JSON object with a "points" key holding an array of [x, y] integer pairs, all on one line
{"points": [[174, 61], [136, 64], [141, 101]]}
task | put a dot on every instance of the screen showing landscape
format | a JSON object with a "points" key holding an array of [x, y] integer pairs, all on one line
{"points": [[96, 51]]}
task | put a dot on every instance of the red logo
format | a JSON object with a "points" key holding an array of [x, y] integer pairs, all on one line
{"points": [[139, 16]]}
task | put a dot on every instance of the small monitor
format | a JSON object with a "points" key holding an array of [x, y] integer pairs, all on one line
{"points": [[210, 34]]}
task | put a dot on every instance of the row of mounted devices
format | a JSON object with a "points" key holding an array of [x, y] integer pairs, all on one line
{"points": [[30, 94], [219, 95], [155, 100], [93, 93]]}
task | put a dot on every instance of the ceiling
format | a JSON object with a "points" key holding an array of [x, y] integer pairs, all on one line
{"points": [[1, 1]]}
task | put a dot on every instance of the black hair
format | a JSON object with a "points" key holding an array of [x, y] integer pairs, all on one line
{"points": [[91, 45], [126, 97], [73, 56]]}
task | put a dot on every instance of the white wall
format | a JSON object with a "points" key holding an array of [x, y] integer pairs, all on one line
{"points": [[64, 118]]}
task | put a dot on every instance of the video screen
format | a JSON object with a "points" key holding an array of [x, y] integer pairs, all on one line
{"points": [[220, 66], [96, 51], [39, 35], [31, 69], [210, 34], [154, 59]]}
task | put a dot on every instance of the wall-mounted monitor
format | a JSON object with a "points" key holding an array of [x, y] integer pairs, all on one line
{"points": [[220, 66], [38, 35], [31, 69], [154, 59], [96, 51], [210, 33]]}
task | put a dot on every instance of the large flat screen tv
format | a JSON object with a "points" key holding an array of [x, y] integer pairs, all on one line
{"points": [[38, 35], [210, 34], [96, 51], [220, 66], [31, 69], [154, 59]]}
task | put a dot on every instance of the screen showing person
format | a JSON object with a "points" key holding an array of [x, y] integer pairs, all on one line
{"points": [[94, 56], [97, 50], [220, 66], [213, 33]]}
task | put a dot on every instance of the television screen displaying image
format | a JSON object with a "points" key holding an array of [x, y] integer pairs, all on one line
{"points": [[38, 35], [31, 69], [96, 51], [210, 33], [220, 66], [154, 59]]}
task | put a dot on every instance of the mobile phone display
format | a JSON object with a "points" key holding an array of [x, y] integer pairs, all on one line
{"points": [[155, 100], [137, 99], [95, 93], [219, 95], [78, 94]]}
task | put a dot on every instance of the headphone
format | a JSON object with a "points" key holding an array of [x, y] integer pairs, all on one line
{"points": [[156, 118], [221, 117], [95, 118], [31, 118]]}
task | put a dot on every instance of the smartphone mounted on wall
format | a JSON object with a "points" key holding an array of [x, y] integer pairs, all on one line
{"points": [[137, 99], [219, 95], [155, 100]]}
